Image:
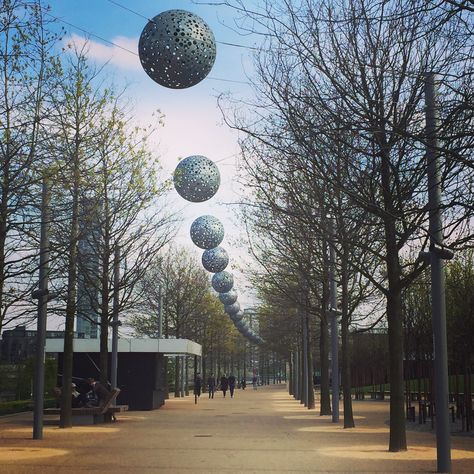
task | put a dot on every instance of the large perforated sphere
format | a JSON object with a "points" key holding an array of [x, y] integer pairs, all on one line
{"points": [[207, 232], [233, 308], [222, 282], [177, 49], [196, 178], [215, 260], [229, 297]]}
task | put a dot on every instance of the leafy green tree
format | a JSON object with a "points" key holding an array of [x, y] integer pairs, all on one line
{"points": [[79, 104], [27, 73], [460, 310], [126, 224]]}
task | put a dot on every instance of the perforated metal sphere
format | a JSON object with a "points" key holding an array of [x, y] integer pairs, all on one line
{"points": [[239, 325], [177, 49], [207, 232], [229, 297], [233, 308], [215, 260], [222, 282], [196, 178], [236, 316]]}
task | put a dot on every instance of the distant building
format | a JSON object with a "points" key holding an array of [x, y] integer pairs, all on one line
{"points": [[19, 344], [88, 271]]}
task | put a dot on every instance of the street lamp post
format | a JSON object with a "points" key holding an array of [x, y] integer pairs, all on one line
{"points": [[436, 256], [42, 295]]}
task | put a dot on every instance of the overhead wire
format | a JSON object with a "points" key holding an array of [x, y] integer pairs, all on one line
{"points": [[101, 38], [235, 45]]}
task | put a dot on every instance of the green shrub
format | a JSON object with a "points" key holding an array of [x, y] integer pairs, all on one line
{"points": [[18, 406]]}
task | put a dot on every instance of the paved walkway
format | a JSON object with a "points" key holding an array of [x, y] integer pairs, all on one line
{"points": [[257, 431]]}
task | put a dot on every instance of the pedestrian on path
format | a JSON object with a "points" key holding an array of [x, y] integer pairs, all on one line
{"points": [[231, 380], [198, 385], [211, 385], [224, 384]]}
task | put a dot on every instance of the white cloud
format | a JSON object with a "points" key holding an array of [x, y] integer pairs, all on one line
{"points": [[123, 53]]}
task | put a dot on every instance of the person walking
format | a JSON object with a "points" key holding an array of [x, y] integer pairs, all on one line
{"points": [[224, 384], [197, 387], [211, 385], [231, 381], [243, 384]]}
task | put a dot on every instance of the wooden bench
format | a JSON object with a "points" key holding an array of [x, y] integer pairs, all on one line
{"points": [[94, 415]]}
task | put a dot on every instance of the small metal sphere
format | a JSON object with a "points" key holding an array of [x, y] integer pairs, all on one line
{"points": [[222, 282], [215, 260], [196, 178], [237, 316], [229, 297], [207, 232], [177, 49], [239, 325], [233, 308]]}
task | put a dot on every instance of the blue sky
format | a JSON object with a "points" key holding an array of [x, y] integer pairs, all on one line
{"points": [[193, 123]]}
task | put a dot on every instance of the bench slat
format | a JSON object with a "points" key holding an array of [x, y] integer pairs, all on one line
{"points": [[87, 411]]}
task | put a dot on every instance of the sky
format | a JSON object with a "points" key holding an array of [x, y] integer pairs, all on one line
{"points": [[193, 124]]}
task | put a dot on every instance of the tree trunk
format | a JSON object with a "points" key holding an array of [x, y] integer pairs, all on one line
{"points": [[71, 304], [104, 319], [394, 312], [309, 355], [290, 379], [345, 348], [325, 408]]}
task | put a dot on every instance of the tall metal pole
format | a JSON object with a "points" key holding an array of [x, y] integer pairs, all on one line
{"points": [[115, 318], [438, 303], [334, 329], [42, 295], [160, 311]]}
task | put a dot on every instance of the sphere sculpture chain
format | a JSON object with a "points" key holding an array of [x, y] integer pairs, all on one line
{"points": [[233, 308], [215, 260], [222, 282], [207, 232], [239, 325], [196, 178], [236, 316], [229, 297], [177, 49]]}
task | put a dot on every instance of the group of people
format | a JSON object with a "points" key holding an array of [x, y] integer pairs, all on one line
{"points": [[91, 393], [225, 384]]}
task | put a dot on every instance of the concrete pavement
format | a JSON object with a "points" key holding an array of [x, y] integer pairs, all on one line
{"points": [[257, 431]]}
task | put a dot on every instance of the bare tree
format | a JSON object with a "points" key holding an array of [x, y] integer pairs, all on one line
{"points": [[358, 67]]}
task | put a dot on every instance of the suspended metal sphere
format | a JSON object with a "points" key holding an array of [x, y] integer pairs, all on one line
{"points": [[233, 308], [196, 178], [207, 232], [222, 282], [229, 297], [215, 260], [236, 316], [239, 325], [177, 49]]}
